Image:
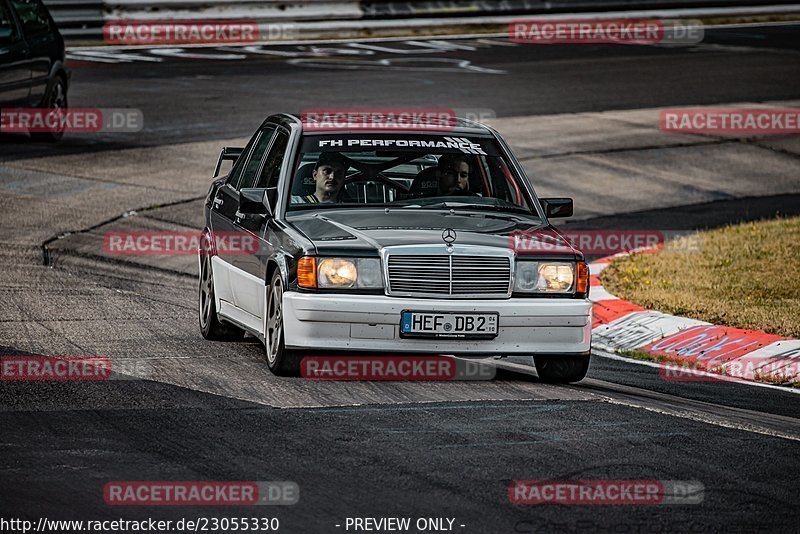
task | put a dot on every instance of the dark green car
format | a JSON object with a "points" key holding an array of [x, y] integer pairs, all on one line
{"points": [[32, 71]]}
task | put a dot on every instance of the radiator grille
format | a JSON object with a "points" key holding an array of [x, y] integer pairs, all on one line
{"points": [[458, 275]]}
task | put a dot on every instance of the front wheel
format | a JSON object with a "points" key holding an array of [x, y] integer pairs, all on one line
{"points": [[561, 369], [280, 361]]}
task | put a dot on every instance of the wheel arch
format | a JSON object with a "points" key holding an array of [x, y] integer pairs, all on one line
{"points": [[211, 252], [278, 263], [59, 70]]}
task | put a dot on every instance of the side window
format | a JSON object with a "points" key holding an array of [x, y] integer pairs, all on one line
{"points": [[272, 165], [8, 28], [236, 170], [248, 172], [32, 16]]}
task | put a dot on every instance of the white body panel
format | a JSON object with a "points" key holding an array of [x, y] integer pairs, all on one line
{"points": [[222, 281], [372, 323], [242, 317], [239, 295], [248, 291]]}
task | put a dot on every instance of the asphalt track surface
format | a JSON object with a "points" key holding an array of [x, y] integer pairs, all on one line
{"points": [[192, 410], [223, 92]]}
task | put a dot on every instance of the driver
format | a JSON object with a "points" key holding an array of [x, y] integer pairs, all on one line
{"points": [[454, 172], [329, 174]]}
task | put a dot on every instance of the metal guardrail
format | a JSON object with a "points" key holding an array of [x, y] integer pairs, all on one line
{"points": [[77, 17], [255, 10], [425, 8], [85, 18]]}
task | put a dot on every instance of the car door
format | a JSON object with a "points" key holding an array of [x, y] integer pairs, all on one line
{"points": [[249, 293], [15, 67], [42, 38], [225, 205]]}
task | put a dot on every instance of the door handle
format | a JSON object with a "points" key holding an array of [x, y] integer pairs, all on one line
{"points": [[218, 202], [248, 217]]}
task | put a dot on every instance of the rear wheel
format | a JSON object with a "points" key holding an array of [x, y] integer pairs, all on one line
{"points": [[56, 102], [280, 361], [210, 325], [561, 369]]}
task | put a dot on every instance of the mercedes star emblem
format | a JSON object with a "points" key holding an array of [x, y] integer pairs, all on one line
{"points": [[449, 235]]}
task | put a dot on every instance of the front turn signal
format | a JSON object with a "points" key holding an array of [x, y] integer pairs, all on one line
{"points": [[307, 272], [582, 282]]}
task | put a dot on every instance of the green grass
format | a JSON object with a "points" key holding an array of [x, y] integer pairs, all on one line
{"points": [[745, 276], [667, 359]]}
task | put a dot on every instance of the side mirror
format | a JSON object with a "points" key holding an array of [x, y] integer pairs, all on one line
{"points": [[253, 201], [556, 207], [227, 154]]}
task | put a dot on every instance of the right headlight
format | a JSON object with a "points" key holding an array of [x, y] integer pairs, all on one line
{"points": [[339, 273], [550, 277]]}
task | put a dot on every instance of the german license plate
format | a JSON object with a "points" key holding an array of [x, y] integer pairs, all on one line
{"points": [[449, 325]]}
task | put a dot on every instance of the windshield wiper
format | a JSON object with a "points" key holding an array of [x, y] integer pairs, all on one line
{"points": [[467, 205]]}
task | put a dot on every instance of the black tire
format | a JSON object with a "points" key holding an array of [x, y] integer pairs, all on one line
{"points": [[210, 326], [561, 369], [55, 100], [281, 362]]}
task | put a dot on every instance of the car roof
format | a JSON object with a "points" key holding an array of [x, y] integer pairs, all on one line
{"points": [[449, 126]]}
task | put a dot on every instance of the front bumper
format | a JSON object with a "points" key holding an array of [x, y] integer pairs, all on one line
{"points": [[372, 323]]}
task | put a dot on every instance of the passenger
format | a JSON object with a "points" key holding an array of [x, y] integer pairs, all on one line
{"points": [[329, 174]]}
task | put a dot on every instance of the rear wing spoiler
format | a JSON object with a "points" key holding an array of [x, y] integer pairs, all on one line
{"points": [[227, 154]]}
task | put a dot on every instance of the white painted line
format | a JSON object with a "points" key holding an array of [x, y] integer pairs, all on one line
{"points": [[597, 268], [723, 378], [598, 293], [303, 42]]}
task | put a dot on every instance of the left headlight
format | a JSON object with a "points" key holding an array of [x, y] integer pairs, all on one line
{"points": [[545, 277], [337, 272], [342, 273]]}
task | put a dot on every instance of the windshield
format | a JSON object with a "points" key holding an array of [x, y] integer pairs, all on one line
{"points": [[422, 171]]}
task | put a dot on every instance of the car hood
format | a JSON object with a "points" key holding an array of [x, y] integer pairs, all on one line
{"points": [[354, 232]]}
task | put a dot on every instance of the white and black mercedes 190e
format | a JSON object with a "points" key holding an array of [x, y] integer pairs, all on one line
{"points": [[388, 241]]}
